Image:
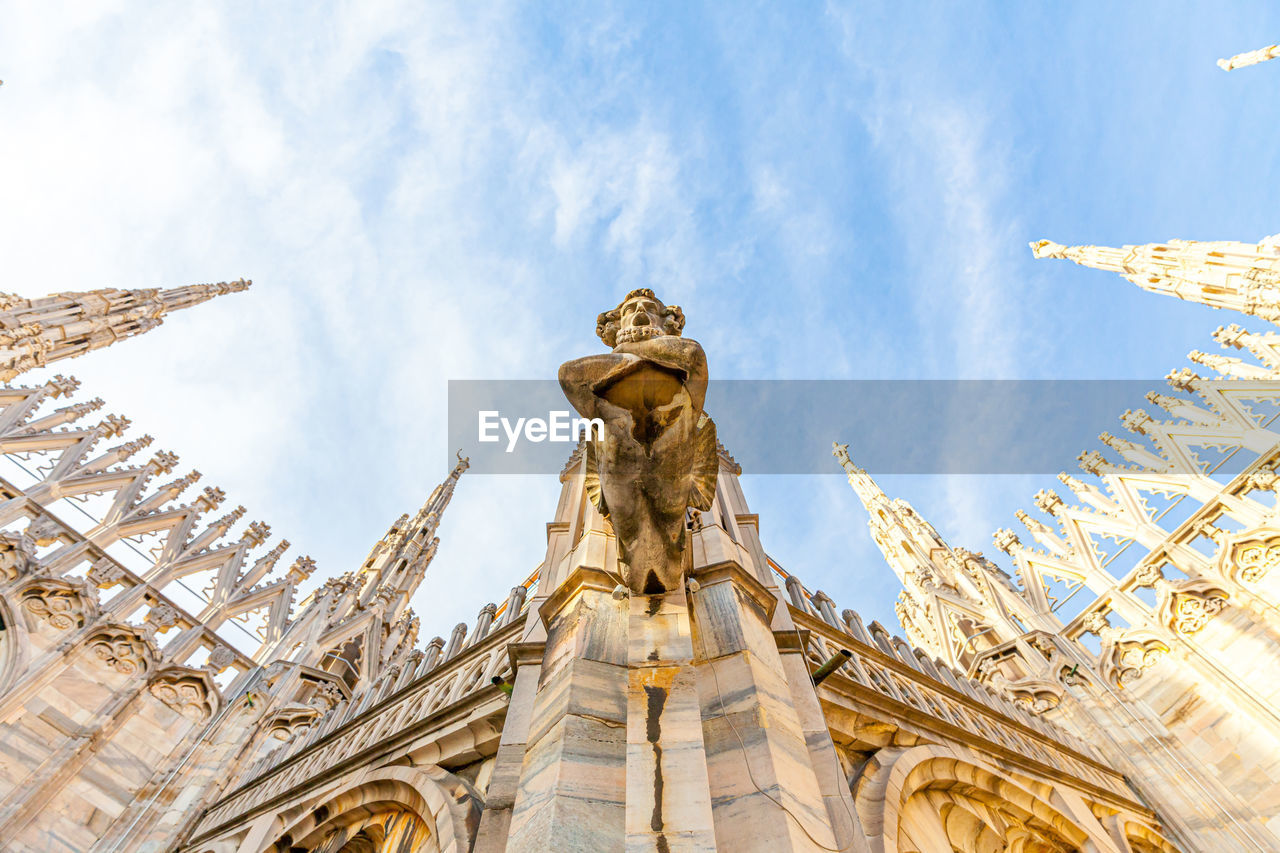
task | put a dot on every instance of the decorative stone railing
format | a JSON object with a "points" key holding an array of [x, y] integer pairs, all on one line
{"points": [[443, 678], [820, 607], [887, 665]]}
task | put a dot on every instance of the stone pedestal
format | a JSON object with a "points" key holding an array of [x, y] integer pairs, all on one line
{"points": [[763, 785], [668, 795], [683, 721], [572, 790]]}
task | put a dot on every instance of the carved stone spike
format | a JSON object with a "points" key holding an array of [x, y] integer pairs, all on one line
{"points": [[658, 453]]}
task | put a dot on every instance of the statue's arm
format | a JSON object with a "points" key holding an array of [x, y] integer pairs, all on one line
{"points": [[578, 379], [681, 354]]}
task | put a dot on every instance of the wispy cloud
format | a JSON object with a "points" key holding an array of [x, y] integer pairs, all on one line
{"points": [[427, 192]]}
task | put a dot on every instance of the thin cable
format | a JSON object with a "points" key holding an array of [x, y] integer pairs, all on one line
{"points": [[747, 762], [226, 709], [1193, 776], [128, 544]]}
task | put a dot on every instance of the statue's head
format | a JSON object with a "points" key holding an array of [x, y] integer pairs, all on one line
{"points": [[639, 316]]}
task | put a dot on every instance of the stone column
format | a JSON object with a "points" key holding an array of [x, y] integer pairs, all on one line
{"points": [[504, 783], [764, 788], [572, 791], [668, 793]]}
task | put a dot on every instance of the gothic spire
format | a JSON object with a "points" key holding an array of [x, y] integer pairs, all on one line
{"points": [[1244, 277], [1252, 57], [868, 492], [949, 594], [908, 542], [35, 332], [398, 563]]}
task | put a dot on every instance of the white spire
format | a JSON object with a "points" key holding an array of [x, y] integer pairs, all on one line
{"points": [[1252, 57], [1244, 277]]}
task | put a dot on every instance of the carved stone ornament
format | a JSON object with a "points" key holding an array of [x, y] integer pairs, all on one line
{"points": [[121, 649], [1255, 558], [220, 658], [1036, 696], [58, 603], [185, 691], [43, 531], [1148, 576], [1043, 643], [161, 617], [1128, 659], [326, 697], [1191, 611], [104, 574], [293, 720], [657, 455], [1096, 623], [17, 555]]}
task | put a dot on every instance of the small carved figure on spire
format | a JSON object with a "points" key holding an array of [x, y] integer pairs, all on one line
{"points": [[657, 457]]}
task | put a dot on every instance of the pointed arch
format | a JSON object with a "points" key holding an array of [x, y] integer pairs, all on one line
{"points": [[430, 803], [12, 644], [922, 797], [1144, 839]]}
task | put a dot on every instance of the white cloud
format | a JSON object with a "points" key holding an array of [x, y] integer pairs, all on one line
{"points": [[392, 177]]}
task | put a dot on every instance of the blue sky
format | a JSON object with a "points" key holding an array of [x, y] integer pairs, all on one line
{"points": [[423, 194]]}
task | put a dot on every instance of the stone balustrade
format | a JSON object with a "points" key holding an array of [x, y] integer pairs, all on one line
{"points": [[396, 703], [887, 665]]}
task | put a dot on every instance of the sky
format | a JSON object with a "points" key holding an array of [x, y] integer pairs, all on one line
{"points": [[427, 192]]}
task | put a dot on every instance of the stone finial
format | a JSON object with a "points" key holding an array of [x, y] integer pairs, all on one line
{"points": [[113, 426], [129, 448], [1048, 249], [256, 533], [1183, 379], [1048, 501], [1230, 336], [228, 521], [1006, 540], [1251, 57], [1223, 274], [34, 332], [1092, 462], [62, 386], [163, 462], [210, 498], [1135, 420]]}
